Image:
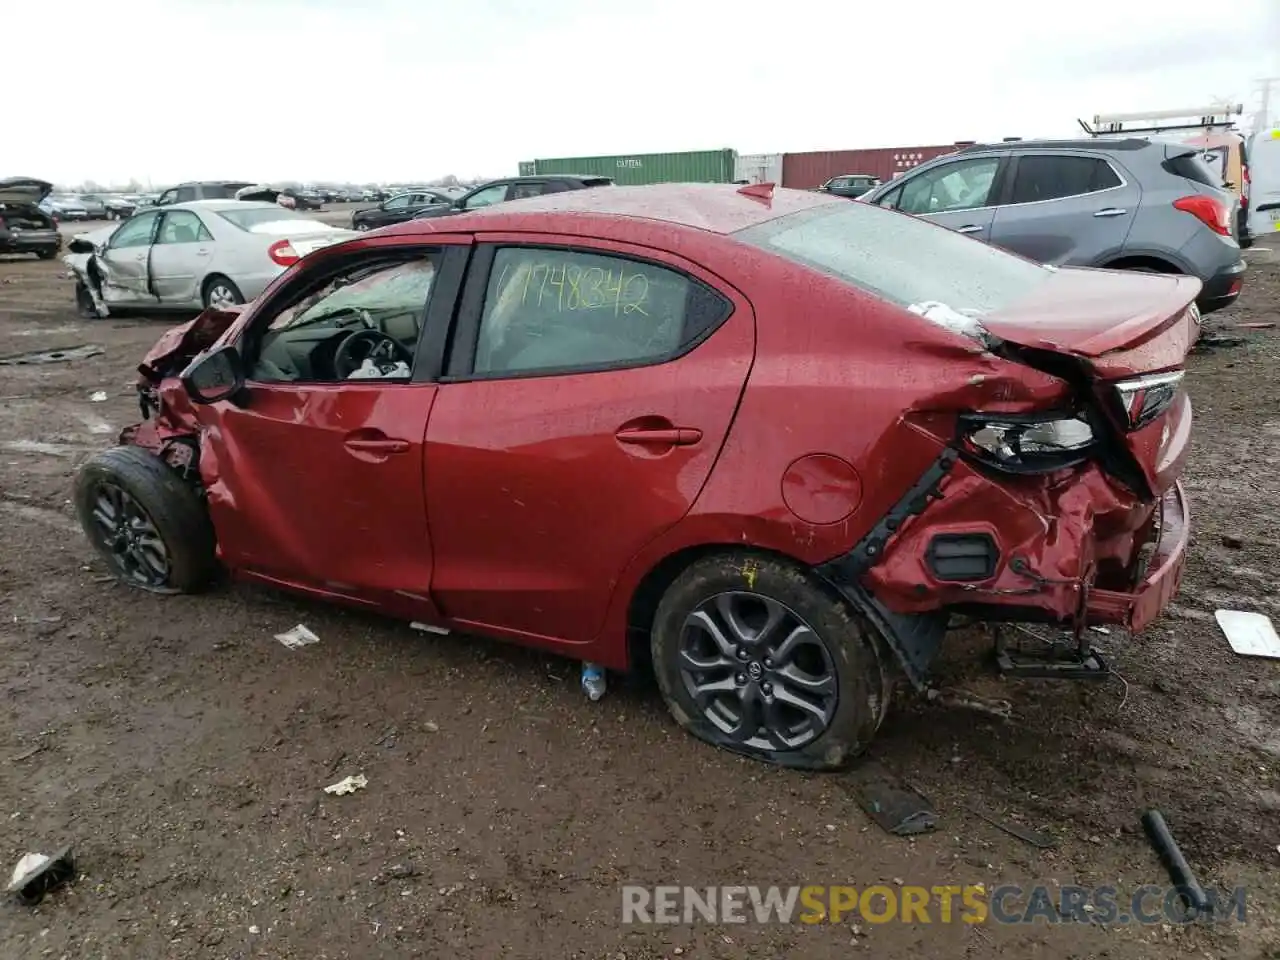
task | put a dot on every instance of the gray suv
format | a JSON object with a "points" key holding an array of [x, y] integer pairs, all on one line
{"points": [[1135, 204]]}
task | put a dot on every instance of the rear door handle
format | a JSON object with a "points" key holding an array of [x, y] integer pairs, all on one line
{"points": [[384, 445], [202, 252], [1111, 212], [969, 228], [667, 437]]}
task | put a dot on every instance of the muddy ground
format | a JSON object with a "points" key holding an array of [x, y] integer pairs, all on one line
{"points": [[184, 751]]}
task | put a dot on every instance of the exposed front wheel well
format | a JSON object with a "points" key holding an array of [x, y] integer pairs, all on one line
{"points": [[1142, 265]]}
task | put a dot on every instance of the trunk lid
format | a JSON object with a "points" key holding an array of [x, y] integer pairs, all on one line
{"points": [[1122, 323], [20, 191]]}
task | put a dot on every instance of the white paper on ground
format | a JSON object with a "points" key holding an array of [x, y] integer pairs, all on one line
{"points": [[1250, 634], [299, 636], [29, 864]]}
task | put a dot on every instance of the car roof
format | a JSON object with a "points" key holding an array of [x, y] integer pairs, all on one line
{"points": [[1099, 143], [712, 207], [215, 206]]}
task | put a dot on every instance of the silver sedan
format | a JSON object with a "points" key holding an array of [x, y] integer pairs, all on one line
{"points": [[191, 255]]}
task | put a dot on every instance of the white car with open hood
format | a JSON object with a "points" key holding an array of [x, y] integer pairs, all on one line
{"points": [[191, 255]]}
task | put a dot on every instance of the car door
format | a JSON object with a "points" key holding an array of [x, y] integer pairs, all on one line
{"points": [[956, 194], [180, 257], [125, 262], [1065, 209], [589, 392], [320, 479]]}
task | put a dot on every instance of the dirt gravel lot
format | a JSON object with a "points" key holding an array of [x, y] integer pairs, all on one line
{"points": [[183, 751]]}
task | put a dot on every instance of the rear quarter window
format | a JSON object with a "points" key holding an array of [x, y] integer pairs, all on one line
{"points": [[1193, 166], [899, 258]]}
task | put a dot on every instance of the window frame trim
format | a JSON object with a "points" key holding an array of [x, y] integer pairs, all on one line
{"points": [[459, 361], [1012, 179]]}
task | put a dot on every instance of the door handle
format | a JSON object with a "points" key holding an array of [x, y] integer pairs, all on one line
{"points": [[663, 437], [202, 252], [384, 445], [969, 228], [139, 256], [1111, 212]]}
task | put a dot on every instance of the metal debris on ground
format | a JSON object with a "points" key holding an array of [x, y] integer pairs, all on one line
{"points": [[1218, 340], [36, 874], [1250, 634], [1034, 837], [299, 636], [98, 396], [82, 352], [893, 805], [1175, 864], [347, 785], [27, 754]]}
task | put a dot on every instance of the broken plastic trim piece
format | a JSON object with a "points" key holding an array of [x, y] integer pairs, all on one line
{"points": [[36, 875]]}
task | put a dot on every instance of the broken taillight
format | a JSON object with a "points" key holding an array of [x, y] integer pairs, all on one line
{"points": [[1026, 444], [282, 253], [1213, 213], [1145, 398]]}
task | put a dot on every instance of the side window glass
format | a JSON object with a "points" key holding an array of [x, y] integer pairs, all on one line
{"points": [[570, 310], [1054, 178], [182, 226], [962, 185], [382, 306], [186, 194], [494, 194], [398, 203], [169, 196], [134, 233], [521, 190], [891, 199]]}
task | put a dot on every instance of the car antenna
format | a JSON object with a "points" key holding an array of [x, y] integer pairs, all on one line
{"points": [[758, 191]]}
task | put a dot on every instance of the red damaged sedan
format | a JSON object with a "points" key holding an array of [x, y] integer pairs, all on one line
{"points": [[771, 441]]}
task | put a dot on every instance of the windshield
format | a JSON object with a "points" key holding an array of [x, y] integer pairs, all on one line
{"points": [[899, 258], [253, 216]]}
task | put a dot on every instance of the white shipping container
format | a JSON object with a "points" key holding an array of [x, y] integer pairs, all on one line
{"points": [[758, 167]]}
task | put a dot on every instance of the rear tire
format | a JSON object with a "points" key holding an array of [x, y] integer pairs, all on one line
{"points": [[219, 291], [756, 655], [46, 254], [149, 525]]}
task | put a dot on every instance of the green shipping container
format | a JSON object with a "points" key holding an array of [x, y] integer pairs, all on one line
{"points": [[695, 166]]}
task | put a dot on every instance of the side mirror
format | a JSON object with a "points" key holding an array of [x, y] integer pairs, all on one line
{"points": [[81, 245], [214, 376]]}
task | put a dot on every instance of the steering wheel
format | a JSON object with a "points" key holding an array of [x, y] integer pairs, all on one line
{"points": [[360, 345]]}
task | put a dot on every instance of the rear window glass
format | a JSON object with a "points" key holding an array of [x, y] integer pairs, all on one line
{"points": [[1193, 166], [247, 219], [899, 258]]}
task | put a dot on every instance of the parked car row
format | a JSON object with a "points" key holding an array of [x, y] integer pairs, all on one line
{"points": [[426, 203]]}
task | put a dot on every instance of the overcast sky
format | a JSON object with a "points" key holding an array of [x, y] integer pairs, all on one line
{"points": [[387, 90]]}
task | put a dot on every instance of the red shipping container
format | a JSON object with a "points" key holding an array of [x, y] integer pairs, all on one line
{"points": [[805, 171]]}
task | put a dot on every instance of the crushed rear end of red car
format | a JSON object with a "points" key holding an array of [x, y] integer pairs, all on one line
{"points": [[1067, 512]]}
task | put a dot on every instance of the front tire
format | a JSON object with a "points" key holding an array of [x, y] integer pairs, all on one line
{"points": [[220, 292], [756, 655], [150, 526]]}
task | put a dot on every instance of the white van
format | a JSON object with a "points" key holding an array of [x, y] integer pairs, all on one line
{"points": [[1264, 174]]}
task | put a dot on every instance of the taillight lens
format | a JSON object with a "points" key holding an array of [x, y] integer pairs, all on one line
{"points": [[1213, 213], [1026, 444], [1145, 398], [282, 253]]}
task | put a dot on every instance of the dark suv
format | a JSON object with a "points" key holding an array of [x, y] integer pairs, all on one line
{"points": [[202, 190], [1132, 204], [851, 185], [514, 188]]}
